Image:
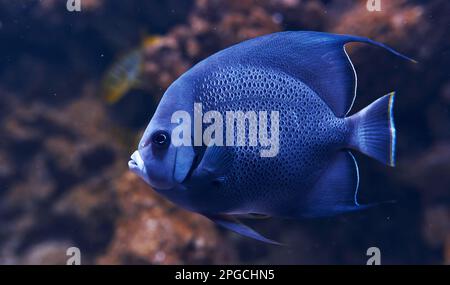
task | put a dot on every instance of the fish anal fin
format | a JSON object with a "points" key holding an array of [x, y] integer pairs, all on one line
{"points": [[336, 190]]}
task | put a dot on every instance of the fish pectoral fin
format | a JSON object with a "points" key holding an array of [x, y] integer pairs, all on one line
{"points": [[336, 190], [236, 226], [215, 163]]}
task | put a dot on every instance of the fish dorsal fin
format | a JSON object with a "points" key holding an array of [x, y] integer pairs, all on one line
{"points": [[236, 226], [318, 59]]}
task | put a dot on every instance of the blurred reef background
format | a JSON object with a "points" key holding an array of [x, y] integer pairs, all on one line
{"points": [[77, 89]]}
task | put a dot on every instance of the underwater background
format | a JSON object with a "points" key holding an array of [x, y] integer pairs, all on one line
{"points": [[77, 89]]}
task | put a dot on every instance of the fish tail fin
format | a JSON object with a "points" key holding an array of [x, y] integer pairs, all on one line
{"points": [[373, 131]]}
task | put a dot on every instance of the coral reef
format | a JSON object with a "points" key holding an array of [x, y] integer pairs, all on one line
{"points": [[56, 176], [161, 233]]}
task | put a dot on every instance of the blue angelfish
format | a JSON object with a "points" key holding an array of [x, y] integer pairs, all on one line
{"points": [[309, 80]]}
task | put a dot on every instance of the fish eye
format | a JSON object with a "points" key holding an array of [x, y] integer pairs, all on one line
{"points": [[160, 138]]}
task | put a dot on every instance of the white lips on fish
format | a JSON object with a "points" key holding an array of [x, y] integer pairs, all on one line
{"points": [[136, 165]]}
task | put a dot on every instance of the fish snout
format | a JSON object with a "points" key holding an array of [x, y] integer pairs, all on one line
{"points": [[157, 180], [136, 164]]}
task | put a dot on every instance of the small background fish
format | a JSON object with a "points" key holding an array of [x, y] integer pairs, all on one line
{"points": [[126, 73]]}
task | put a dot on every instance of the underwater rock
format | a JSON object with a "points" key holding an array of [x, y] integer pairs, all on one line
{"points": [[436, 229], [428, 173], [151, 230], [395, 23], [215, 25], [45, 253], [59, 165], [436, 226], [211, 26], [447, 251]]}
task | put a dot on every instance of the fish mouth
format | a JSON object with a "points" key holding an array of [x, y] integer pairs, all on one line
{"points": [[137, 166], [136, 163], [133, 166]]}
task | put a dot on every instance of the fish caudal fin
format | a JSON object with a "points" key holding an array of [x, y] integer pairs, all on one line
{"points": [[373, 130]]}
